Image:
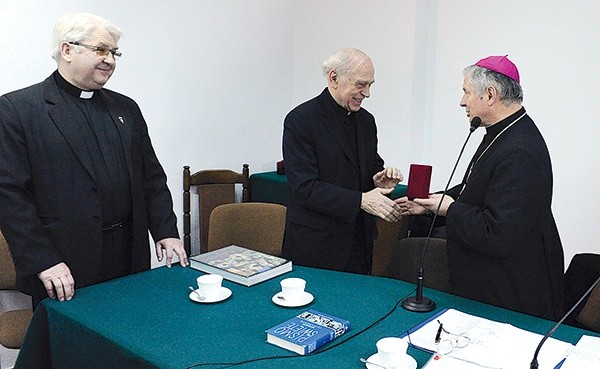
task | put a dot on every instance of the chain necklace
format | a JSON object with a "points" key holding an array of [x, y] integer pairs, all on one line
{"points": [[486, 149]]}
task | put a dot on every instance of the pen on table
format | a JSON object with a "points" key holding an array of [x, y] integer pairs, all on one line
{"points": [[439, 333]]}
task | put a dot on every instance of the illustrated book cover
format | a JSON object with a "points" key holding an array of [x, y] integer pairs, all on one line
{"points": [[307, 331], [241, 265]]}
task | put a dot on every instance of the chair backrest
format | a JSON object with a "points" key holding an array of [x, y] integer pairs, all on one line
{"points": [[255, 225], [582, 272], [388, 235], [589, 316], [215, 187], [13, 323], [7, 268], [403, 258]]}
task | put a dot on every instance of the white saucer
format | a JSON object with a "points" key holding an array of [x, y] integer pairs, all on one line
{"points": [[305, 299], [408, 363], [224, 294]]}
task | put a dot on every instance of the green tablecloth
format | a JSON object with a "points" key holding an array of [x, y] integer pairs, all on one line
{"points": [[146, 320], [269, 187], [272, 187]]}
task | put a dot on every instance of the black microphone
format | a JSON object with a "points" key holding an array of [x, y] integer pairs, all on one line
{"points": [[534, 362], [419, 303], [475, 123]]}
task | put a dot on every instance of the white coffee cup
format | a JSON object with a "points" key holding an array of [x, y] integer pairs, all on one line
{"points": [[209, 285], [391, 351], [292, 288]]}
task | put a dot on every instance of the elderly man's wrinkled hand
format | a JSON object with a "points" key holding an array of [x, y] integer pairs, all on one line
{"points": [[376, 202], [388, 178]]}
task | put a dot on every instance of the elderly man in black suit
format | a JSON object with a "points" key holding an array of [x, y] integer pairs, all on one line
{"points": [[336, 178], [80, 184]]}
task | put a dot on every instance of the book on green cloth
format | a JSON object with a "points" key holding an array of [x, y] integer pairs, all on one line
{"points": [[307, 331], [241, 265]]}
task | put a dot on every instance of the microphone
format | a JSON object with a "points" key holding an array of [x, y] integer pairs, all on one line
{"points": [[419, 303], [475, 123], [534, 362]]}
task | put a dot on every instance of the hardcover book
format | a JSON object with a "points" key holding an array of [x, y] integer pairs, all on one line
{"points": [[307, 331], [241, 265]]}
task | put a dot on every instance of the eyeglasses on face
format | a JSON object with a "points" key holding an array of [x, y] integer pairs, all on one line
{"points": [[99, 50]]}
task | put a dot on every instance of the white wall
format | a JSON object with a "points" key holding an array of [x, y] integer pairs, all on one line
{"points": [[420, 48], [215, 78], [385, 30], [556, 46]]}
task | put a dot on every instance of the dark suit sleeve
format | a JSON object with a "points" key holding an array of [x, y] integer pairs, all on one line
{"points": [[20, 221], [513, 206], [162, 221]]}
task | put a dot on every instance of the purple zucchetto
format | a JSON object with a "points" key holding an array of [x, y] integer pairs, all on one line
{"points": [[500, 64]]}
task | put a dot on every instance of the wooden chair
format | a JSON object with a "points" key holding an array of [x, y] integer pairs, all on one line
{"points": [[388, 235], [255, 225], [401, 261], [215, 187], [582, 272], [13, 323]]}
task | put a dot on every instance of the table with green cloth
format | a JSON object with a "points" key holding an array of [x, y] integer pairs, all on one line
{"points": [[272, 187], [147, 320]]}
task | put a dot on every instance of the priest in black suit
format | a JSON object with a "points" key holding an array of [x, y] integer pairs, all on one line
{"points": [[80, 184], [503, 244], [336, 178]]}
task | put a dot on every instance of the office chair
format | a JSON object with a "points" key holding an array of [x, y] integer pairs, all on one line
{"points": [[255, 225], [401, 260], [215, 187], [583, 270], [13, 323]]}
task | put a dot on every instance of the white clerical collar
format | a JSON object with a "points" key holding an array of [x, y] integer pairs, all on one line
{"points": [[86, 94]]}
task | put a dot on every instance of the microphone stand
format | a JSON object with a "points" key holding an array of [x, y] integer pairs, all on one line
{"points": [[420, 303]]}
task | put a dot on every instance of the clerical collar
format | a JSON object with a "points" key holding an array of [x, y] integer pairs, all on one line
{"points": [[491, 136], [340, 112], [493, 131], [70, 89]]}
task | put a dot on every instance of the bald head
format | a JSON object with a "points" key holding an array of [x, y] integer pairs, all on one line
{"points": [[350, 74]]}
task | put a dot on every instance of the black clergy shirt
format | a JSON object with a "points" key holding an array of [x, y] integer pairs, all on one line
{"points": [[103, 142], [358, 262]]}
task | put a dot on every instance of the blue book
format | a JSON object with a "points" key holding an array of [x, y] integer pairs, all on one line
{"points": [[307, 331]]}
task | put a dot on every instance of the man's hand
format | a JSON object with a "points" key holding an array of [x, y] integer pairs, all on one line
{"points": [[433, 202], [422, 206], [388, 178], [168, 246], [376, 202], [58, 282]]}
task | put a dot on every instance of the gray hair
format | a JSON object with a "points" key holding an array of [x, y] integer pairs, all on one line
{"points": [[510, 90], [344, 62], [76, 27]]}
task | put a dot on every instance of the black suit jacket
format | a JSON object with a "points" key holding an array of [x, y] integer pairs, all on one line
{"points": [[51, 210], [503, 244], [323, 206]]}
